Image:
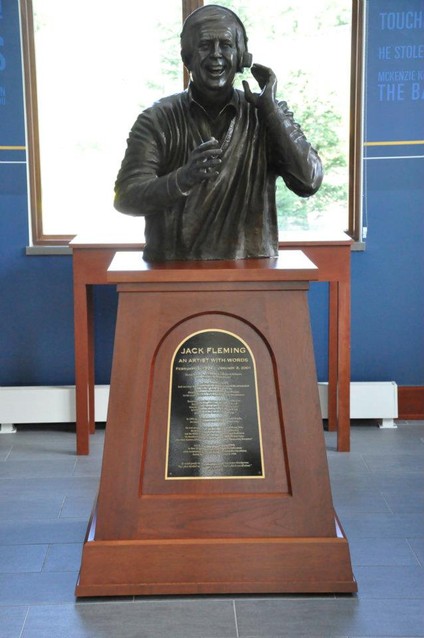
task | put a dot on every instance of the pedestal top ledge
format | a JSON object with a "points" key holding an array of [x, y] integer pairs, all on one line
{"points": [[290, 265]]}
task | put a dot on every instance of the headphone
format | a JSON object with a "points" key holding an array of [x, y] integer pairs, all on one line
{"points": [[244, 57]]}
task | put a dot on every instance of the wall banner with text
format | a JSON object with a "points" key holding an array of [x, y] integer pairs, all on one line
{"points": [[12, 130], [394, 78]]}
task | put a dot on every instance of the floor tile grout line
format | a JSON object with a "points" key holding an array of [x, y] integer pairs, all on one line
{"points": [[75, 466], [386, 503], [235, 619], [368, 468], [24, 623], [61, 507], [45, 557], [8, 454], [414, 552]]}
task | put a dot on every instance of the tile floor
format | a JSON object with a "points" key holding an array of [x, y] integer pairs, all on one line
{"points": [[46, 494]]}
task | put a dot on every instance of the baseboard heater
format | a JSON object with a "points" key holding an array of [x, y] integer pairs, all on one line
{"points": [[56, 404], [368, 400]]}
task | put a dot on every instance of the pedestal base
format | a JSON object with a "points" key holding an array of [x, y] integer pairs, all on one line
{"points": [[215, 476], [216, 566]]}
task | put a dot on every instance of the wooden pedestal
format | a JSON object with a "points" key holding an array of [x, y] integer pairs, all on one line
{"points": [[272, 533]]}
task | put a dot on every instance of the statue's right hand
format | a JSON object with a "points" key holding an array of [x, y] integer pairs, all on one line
{"points": [[266, 99], [203, 164]]}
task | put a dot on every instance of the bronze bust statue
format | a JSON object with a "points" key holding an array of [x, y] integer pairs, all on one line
{"points": [[201, 165]]}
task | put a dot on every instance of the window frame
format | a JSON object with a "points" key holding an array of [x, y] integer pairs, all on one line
{"points": [[40, 239]]}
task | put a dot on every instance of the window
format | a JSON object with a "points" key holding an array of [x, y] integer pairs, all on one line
{"points": [[93, 70], [308, 45]]}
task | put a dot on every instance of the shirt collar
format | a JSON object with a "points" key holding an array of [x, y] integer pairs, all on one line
{"points": [[232, 103]]}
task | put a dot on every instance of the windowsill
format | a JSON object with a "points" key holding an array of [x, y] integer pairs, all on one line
{"points": [[48, 250], [357, 246]]}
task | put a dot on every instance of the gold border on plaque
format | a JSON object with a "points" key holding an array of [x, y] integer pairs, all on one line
{"points": [[211, 478]]}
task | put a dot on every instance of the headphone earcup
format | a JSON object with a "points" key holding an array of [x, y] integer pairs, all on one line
{"points": [[246, 60]]}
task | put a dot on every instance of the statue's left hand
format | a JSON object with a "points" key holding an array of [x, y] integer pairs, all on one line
{"points": [[265, 77]]}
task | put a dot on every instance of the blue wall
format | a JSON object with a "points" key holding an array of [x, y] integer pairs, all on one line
{"points": [[36, 336]]}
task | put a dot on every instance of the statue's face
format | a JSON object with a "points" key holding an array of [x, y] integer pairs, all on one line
{"points": [[214, 58]]}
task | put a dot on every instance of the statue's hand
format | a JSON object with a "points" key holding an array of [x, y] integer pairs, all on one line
{"points": [[203, 164], [265, 77]]}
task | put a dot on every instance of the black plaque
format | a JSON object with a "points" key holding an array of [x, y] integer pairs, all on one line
{"points": [[214, 424]]}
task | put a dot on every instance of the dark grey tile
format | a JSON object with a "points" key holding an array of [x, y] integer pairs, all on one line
{"points": [[360, 501], [88, 466], [43, 446], [392, 618], [381, 441], [65, 557], [381, 447], [346, 465], [399, 463], [44, 532], [11, 621], [36, 469], [376, 525], [22, 558], [400, 582], [398, 484], [47, 435], [39, 588], [97, 442], [330, 439], [417, 546], [140, 619], [405, 503], [60, 487], [354, 482], [34, 507], [329, 618], [5, 446], [381, 551], [77, 507], [350, 490], [379, 503]]}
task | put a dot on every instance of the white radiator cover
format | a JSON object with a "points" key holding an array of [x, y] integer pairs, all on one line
{"points": [[46, 404], [56, 404], [368, 400]]}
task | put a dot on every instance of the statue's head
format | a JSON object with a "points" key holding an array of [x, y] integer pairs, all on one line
{"points": [[214, 45]]}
